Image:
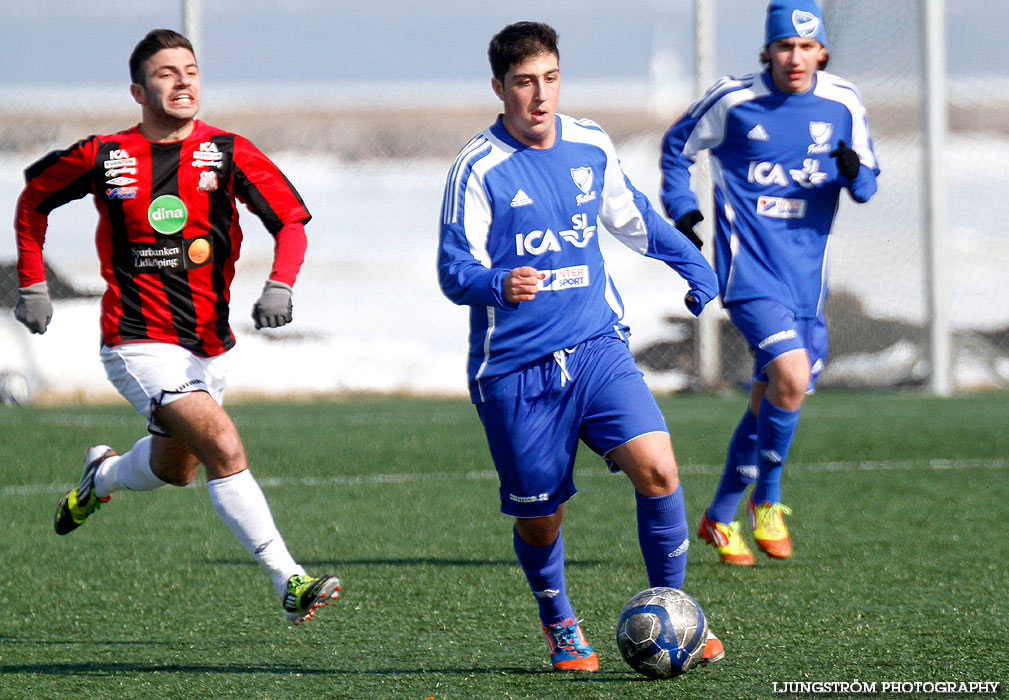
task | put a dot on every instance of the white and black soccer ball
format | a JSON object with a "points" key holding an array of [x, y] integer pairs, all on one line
{"points": [[661, 632], [14, 388]]}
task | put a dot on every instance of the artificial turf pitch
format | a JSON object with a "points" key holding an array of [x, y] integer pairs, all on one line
{"points": [[899, 572]]}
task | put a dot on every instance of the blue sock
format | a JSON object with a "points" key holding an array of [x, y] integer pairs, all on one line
{"points": [[740, 470], [544, 569], [664, 537], [775, 430]]}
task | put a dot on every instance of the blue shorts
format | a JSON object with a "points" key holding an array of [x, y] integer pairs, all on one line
{"points": [[772, 329], [535, 416]]}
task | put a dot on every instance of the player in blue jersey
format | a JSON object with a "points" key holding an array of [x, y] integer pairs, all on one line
{"points": [[784, 144], [549, 362]]}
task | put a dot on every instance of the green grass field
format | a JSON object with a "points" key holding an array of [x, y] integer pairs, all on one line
{"points": [[901, 504]]}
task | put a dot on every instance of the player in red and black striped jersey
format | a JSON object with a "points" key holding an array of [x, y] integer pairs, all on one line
{"points": [[168, 234], [168, 237]]}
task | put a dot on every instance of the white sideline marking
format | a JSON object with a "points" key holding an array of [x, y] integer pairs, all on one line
{"points": [[487, 475]]}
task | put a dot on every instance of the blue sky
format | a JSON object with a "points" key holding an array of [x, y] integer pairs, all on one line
{"points": [[62, 42]]}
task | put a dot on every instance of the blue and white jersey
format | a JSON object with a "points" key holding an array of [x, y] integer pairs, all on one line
{"points": [[508, 205], [776, 187]]}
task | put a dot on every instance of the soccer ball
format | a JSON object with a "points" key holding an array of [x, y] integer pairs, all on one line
{"points": [[661, 632]]}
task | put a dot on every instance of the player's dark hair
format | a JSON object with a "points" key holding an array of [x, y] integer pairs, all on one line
{"points": [[156, 40], [517, 42]]}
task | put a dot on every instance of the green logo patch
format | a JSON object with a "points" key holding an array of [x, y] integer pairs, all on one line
{"points": [[167, 214]]}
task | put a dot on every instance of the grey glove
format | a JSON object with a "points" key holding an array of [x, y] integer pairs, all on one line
{"points": [[33, 308], [273, 308]]}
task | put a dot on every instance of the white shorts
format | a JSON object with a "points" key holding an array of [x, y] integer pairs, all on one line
{"points": [[152, 375]]}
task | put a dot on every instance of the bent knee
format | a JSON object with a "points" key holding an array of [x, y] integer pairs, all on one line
{"points": [[658, 479], [226, 453], [182, 479]]}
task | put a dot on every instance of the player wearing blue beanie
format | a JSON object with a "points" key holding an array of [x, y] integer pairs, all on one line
{"points": [[786, 18], [785, 143]]}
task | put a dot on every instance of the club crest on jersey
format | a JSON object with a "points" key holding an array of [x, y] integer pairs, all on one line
{"points": [[821, 133], [208, 181], [583, 178], [207, 156], [805, 23]]}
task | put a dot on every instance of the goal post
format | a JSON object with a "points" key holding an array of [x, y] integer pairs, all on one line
{"points": [[933, 109], [707, 345]]}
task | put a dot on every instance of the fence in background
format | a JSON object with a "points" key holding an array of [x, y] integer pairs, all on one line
{"points": [[370, 162]]}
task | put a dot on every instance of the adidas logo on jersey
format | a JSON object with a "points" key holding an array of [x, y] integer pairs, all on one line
{"points": [[521, 199], [758, 133]]}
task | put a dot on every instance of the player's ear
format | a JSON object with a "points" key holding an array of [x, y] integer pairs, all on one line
{"points": [[138, 93], [498, 88]]}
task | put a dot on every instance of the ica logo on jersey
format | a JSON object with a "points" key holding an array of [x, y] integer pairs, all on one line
{"points": [[765, 173], [208, 156], [539, 242], [119, 158]]}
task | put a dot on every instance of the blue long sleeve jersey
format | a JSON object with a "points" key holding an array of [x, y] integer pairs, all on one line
{"points": [[776, 188], [507, 205]]}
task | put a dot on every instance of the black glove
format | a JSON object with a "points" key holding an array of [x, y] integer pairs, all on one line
{"points": [[847, 160], [33, 307], [273, 308], [686, 225]]}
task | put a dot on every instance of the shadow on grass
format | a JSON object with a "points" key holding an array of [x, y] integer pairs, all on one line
{"points": [[407, 561], [112, 669]]}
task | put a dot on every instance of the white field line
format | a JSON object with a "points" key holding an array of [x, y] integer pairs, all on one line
{"points": [[366, 479]]}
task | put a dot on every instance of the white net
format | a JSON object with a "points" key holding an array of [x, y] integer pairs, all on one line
{"points": [[878, 252]]}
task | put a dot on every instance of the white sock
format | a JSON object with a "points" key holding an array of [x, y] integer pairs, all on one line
{"points": [[130, 471], [240, 503]]}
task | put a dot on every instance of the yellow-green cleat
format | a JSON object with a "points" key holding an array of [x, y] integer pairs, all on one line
{"points": [[769, 529], [725, 538], [76, 505], [306, 594]]}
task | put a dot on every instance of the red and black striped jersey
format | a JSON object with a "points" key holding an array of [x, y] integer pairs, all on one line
{"points": [[168, 234]]}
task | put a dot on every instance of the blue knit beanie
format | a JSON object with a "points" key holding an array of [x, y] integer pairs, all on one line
{"points": [[787, 18]]}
